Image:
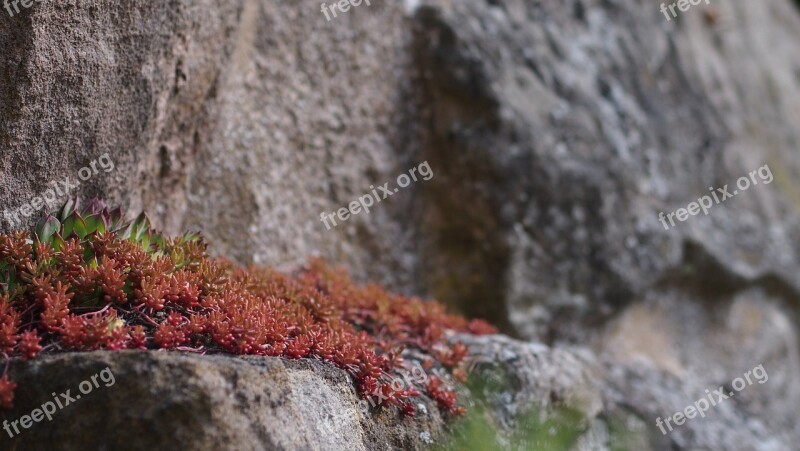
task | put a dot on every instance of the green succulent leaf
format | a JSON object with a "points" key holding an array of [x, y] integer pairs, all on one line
{"points": [[46, 228], [142, 227], [68, 225], [79, 226], [145, 241], [101, 227], [189, 237], [70, 206], [58, 242], [94, 224]]}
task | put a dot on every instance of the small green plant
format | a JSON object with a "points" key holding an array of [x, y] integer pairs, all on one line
{"points": [[88, 280], [555, 429]]}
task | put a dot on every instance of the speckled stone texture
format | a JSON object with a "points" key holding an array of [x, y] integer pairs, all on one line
{"points": [[164, 400], [556, 130]]}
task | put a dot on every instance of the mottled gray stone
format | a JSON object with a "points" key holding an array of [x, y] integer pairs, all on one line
{"points": [[161, 400]]}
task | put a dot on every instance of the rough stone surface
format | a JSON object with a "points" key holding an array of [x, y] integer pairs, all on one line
{"points": [[171, 400], [243, 119], [556, 130], [164, 400], [568, 126], [619, 402]]}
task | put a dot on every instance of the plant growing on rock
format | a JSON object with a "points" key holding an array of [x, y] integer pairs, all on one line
{"points": [[89, 280]]}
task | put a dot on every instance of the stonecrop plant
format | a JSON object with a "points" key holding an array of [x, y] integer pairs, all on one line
{"points": [[87, 280]]}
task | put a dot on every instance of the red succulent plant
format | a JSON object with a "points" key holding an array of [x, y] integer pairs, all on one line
{"points": [[88, 280]]}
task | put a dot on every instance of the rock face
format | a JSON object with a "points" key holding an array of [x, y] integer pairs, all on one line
{"points": [[160, 400], [156, 400], [586, 121], [557, 131], [619, 404], [218, 117]]}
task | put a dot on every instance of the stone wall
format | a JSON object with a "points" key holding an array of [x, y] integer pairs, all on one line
{"points": [[557, 132]]}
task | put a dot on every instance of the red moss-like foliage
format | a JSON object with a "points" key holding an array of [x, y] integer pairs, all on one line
{"points": [[87, 280]]}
